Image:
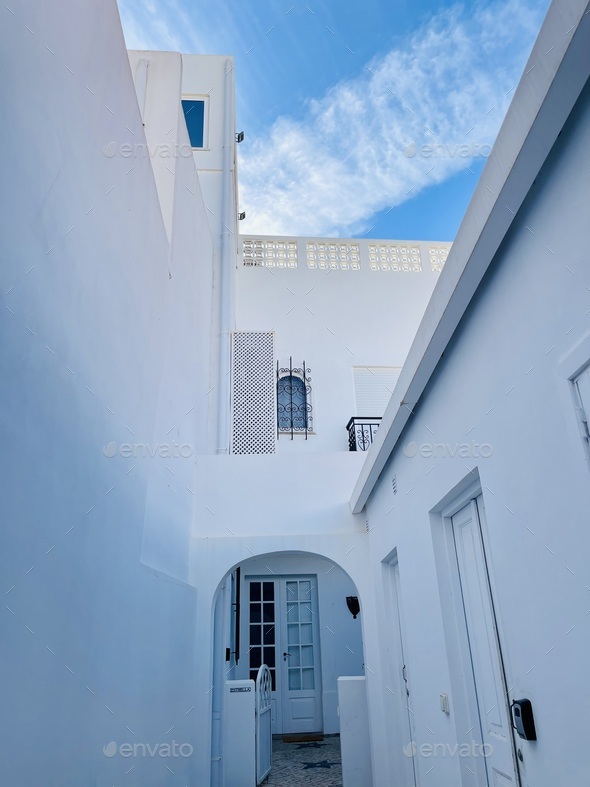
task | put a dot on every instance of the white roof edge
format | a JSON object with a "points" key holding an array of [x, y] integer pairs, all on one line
{"points": [[342, 239], [552, 81]]}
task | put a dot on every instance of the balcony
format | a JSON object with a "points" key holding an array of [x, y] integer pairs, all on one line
{"points": [[361, 432]]}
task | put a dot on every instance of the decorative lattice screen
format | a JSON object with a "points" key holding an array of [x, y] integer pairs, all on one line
{"points": [[391, 257], [438, 257], [253, 393], [339, 255], [269, 253]]}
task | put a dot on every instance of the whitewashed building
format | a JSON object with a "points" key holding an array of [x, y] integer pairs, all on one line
{"points": [[205, 466], [476, 491]]}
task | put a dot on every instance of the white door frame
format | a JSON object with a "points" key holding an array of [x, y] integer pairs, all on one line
{"points": [[400, 694], [464, 698], [279, 697]]}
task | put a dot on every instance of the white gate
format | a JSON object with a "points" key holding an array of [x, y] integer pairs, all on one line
{"points": [[263, 724]]}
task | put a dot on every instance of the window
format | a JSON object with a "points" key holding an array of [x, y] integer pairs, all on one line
{"points": [[373, 386], [291, 402], [194, 114], [262, 629], [293, 405]]}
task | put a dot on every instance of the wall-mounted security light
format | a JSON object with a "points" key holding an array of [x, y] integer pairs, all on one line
{"points": [[240, 137], [352, 602], [242, 215]]}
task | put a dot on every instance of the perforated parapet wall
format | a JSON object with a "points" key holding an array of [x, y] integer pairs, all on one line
{"points": [[391, 257], [269, 253], [253, 393], [344, 254]]}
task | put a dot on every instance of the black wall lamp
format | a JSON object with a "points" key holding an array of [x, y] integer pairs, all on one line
{"points": [[352, 602], [240, 137]]}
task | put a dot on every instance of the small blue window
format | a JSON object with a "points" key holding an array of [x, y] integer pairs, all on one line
{"points": [[194, 114], [292, 404]]}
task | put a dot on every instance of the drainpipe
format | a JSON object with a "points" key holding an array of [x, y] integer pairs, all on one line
{"points": [[141, 77], [226, 265]]}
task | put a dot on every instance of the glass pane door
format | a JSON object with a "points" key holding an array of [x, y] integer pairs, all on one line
{"points": [[262, 628]]}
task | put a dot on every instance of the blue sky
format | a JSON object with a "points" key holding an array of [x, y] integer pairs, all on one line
{"points": [[362, 117]]}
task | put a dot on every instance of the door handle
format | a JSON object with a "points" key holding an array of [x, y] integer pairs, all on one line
{"points": [[286, 656], [405, 677]]}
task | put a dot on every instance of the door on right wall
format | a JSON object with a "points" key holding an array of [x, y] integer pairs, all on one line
{"points": [[485, 653]]}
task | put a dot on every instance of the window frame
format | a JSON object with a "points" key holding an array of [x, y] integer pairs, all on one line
{"points": [[205, 100]]}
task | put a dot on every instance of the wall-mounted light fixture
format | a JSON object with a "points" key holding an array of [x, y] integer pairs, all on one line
{"points": [[352, 602], [242, 215], [240, 137]]}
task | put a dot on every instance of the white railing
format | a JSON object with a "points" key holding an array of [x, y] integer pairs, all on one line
{"points": [[263, 724]]}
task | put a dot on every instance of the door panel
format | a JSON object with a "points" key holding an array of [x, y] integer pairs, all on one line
{"points": [[283, 633], [484, 648], [408, 761], [262, 627], [301, 676]]}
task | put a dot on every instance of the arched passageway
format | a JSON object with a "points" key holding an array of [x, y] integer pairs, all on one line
{"points": [[288, 610]]}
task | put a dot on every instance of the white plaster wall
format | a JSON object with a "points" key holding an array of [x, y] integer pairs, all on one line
{"points": [[96, 349], [157, 77], [185, 415], [333, 320], [270, 495], [504, 382], [212, 76], [354, 736]]}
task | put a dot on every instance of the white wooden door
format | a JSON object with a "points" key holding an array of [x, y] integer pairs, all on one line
{"points": [[300, 674], [497, 749], [283, 633]]}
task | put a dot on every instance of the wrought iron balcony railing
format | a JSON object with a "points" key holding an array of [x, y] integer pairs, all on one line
{"points": [[361, 432]]}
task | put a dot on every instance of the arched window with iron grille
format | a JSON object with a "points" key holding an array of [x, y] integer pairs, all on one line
{"points": [[294, 413]]}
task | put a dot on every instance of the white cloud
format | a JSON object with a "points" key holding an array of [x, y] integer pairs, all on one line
{"points": [[164, 25], [450, 84]]}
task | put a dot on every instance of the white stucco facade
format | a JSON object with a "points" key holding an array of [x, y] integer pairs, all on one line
{"points": [[499, 417], [161, 475]]}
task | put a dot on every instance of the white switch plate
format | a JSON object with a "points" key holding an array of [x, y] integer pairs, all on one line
{"points": [[444, 703]]}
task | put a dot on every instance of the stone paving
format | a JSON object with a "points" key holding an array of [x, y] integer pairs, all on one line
{"points": [[306, 763]]}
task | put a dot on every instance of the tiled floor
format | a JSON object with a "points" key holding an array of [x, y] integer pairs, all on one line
{"points": [[306, 763]]}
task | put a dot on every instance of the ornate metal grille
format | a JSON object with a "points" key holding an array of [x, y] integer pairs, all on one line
{"points": [[253, 393], [294, 411], [361, 433]]}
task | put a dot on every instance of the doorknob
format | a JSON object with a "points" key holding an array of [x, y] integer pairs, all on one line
{"points": [[286, 656]]}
